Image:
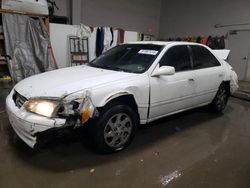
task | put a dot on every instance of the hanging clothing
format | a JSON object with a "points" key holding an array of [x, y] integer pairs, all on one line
{"points": [[209, 41], [222, 42], [121, 34], [198, 40], [193, 39], [107, 39], [92, 29], [204, 40], [83, 31], [99, 41], [178, 39], [138, 36], [112, 35], [216, 44], [142, 37]]}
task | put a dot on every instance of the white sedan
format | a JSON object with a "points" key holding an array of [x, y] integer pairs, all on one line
{"points": [[131, 84]]}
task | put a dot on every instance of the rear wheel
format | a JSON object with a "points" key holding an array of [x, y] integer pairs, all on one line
{"points": [[220, 101], [115, 128]]}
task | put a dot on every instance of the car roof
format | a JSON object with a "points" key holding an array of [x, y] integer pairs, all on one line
{"points": [[165, 43]]}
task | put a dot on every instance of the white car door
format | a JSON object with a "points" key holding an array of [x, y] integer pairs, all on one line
{"points": [[172, 93], [209, 74]]}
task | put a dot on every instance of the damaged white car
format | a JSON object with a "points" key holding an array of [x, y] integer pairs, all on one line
{"points": [[131, 84]]}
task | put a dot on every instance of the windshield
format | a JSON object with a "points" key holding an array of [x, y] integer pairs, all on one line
{"points": [[134, 58]]}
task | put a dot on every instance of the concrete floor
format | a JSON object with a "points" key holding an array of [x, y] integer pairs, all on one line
{"points": [[192, 149]]}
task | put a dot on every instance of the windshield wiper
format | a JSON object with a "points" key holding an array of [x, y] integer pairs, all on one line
{"points": [[118, 69], [107, 67]]}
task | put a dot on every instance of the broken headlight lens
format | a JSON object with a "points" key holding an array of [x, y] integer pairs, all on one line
{"points": [[42, 107], [87, 110]]}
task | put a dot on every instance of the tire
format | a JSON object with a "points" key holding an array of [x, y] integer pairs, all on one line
{"points": [[115, 129], [220, 100]]}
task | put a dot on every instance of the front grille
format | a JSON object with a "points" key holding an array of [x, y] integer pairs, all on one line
{"points": [[19, 99]]}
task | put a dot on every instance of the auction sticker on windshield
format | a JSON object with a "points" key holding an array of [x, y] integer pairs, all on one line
{"points": [[148, 52]]}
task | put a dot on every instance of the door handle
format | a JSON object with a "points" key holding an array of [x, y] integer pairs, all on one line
{"points": [[191, 80]]}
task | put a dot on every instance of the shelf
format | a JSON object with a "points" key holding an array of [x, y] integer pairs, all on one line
{"points": [[79, 53], [78, 61], [33, 15], [3, 62], [5, 79], [1, 36], [22, 13]]}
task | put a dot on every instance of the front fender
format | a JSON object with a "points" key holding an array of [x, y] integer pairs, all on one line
{"points": [[112, 96]]}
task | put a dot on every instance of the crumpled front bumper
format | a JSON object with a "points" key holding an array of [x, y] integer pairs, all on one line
{"points": [[26, 124]]}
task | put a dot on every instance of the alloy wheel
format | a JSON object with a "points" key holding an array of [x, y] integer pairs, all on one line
{"points": [[118, 130]]}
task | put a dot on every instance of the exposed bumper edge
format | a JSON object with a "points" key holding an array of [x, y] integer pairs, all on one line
{"points": [[27, 124], [23, 129]]}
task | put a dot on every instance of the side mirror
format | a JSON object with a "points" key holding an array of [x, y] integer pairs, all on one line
{"points": [[164, 70]]}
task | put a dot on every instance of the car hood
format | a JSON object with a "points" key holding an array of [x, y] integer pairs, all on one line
{"points": [[65, 81]]}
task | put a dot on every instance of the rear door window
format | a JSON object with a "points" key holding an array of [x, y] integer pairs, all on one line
{"points": [[203, 58], [177, 57]]}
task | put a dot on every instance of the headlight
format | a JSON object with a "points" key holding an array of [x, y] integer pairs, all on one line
{"points": [[42, 107]]}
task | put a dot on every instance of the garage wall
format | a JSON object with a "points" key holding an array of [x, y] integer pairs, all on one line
{"points": [[198, 17], [131, 15], [59, 40], [64, 8], [59, 34], [136, 15]]}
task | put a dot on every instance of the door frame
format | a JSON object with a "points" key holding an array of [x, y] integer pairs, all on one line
{"points": [[247, 66]]}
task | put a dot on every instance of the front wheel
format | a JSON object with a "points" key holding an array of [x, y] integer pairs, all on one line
{"points": [[115, 128], [220, 101]]}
